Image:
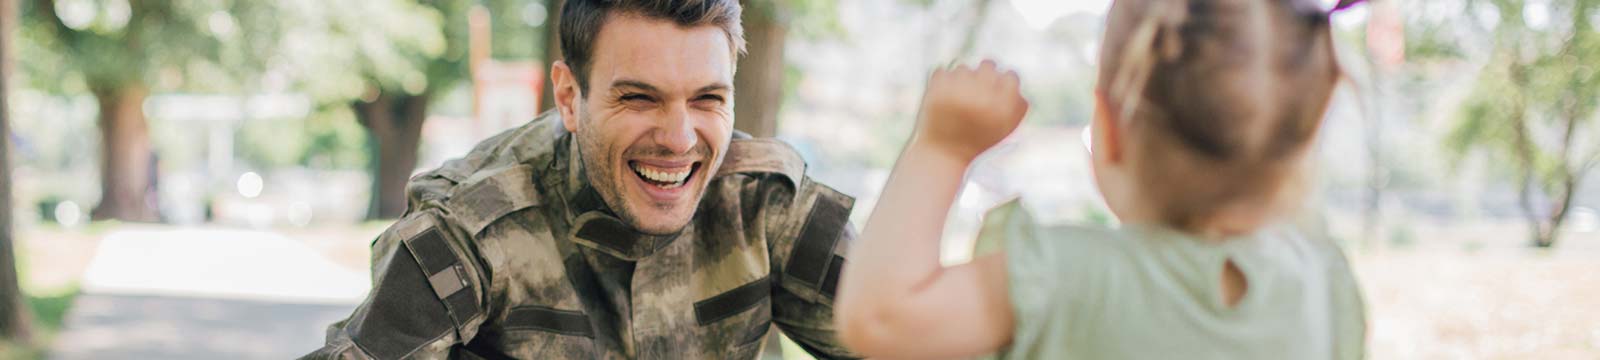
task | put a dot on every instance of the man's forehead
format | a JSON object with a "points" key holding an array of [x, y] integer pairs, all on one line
{"points": [[658, 52]]}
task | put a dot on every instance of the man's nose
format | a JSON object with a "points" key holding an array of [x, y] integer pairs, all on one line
{"points": [[676, 131]]}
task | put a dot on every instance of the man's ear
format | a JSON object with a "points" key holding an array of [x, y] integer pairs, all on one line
{"points": [[1107, 134], [567, 94]]}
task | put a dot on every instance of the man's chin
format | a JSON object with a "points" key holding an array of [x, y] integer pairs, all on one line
{"points": [[654, 219], [659, 227]]}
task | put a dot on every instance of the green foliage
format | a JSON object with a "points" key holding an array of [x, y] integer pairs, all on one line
{"points": [[1532, 108], [518, 28], [340, 49], [1481, 122], [1538, 79], [167, 45], [50, 310], [333, 51], [328, 139], [336, 141], [1431, 42], [48, 313], [806, 18], [346, 49]]}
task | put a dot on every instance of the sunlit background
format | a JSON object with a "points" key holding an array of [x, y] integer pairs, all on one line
{"points": [[201, 179]]}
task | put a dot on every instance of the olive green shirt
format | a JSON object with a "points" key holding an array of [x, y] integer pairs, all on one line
{"points": [[1147, 292]]}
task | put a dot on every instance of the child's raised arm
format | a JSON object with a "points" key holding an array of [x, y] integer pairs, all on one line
{"points": [[896, 300]]}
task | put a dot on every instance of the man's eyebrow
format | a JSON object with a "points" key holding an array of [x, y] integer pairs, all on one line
{"points": [[635, 84], [714, 88]]}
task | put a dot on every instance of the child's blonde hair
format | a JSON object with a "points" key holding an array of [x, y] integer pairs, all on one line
{"points": [[1224, 95]]}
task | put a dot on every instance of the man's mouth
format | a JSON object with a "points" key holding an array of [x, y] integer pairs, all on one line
{"points": [[662, 175]]}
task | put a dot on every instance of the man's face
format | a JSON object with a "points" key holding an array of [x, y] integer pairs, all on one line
{"points": [[656, 120]]}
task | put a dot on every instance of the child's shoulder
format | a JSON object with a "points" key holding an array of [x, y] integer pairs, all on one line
{"points": [[1010, 226], [1051, 267]]}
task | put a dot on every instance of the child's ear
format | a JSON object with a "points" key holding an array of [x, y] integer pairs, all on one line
{"points": [[1107, 132], [566, 94]]}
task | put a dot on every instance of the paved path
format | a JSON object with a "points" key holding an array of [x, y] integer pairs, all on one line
{"points": [[204, 293]]}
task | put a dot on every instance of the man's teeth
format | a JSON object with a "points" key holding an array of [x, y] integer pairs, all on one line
{"points": [[673, 179]]}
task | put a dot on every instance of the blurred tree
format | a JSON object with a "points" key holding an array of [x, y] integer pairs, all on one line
{"points": [[1534, 104], [552, 51], [388, 61], [121, 50], [381, 62], [397, 95], [14, 316], [761, 71]]}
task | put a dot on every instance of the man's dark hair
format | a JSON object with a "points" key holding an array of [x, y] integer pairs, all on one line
{"points": [[581, 20]]}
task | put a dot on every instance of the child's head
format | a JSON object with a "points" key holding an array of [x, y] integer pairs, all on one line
{"points": [[1206, 108]]}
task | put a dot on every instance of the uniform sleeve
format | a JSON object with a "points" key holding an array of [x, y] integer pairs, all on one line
{"points": [[426, 296], [809, 247]]}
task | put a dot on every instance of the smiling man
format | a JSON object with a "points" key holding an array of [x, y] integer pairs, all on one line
{"points": [[630, 222]]}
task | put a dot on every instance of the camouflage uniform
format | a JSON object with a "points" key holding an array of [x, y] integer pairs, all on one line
{"points": [[508, 253]]}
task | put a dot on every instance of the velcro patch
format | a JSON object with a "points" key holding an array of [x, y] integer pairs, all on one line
{"points": [[565, 322], [813, 255], [403, 314], [447, 282], [445, 276], [732, 302]]}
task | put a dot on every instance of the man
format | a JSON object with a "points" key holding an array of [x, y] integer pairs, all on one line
{"points": [[630, 222]]}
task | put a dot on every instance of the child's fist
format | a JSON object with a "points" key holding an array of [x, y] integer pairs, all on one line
{"points": [[967, 110]]}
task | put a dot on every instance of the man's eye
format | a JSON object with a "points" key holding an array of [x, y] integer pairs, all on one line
{"points": [[637, 100], [710, 99]]}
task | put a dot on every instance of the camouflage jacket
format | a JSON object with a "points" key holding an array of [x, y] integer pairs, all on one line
{"points": [[507, 253]]}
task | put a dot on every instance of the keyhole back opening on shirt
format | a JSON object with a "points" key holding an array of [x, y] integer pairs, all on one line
{"points": [[1234, 284]]}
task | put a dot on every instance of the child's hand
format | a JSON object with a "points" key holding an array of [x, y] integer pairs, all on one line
{"points": [[965, 110]]}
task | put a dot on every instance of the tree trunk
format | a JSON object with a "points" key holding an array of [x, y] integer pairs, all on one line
{"points": [[15, 322], [552, 52], [127, 163], [1523, 145], [759, 80], [394, 125], [1550, 230], [1538, 227]]}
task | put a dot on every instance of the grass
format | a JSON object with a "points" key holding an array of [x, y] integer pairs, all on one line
{"points": [[48, 313], [51, 309]]}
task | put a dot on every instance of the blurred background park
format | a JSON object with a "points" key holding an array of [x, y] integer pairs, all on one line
{"points": [[202, 178]]}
